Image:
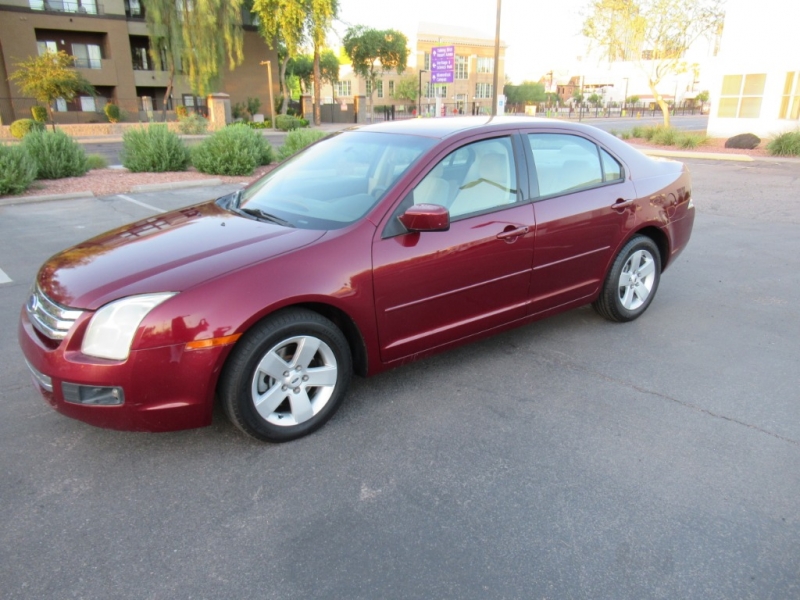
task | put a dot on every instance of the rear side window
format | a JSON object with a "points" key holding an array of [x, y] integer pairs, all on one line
{"points": [[611, 168], [567, 163]]}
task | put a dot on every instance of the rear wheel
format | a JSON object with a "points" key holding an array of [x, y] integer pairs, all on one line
{"points": [[632, 281], [287, 376]]}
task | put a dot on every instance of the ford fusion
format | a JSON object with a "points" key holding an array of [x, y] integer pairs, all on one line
{"points": [[374, 247]]}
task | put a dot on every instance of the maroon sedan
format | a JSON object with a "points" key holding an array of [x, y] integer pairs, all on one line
{"points": [[370, 249]]}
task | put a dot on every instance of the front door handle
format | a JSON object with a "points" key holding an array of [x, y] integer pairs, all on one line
{"points": [[512, 234]]}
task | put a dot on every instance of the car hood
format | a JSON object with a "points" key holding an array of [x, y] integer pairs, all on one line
{"points": [[168, 253]]}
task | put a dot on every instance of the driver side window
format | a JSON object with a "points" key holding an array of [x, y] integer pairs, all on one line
{"points": [[474, 178]]}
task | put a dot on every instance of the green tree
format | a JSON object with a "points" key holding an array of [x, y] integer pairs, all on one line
{"points": [[321, 14], [49, 77], [654, 34], [302, 67], [528, 92], [282, 24], [595, 99], [373, 52], [196, 35], [407, 88]]}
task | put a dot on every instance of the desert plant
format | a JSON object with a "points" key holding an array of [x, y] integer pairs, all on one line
{"points": [[234, 150], [688, 141], [289, 123], [55, 154], [153, 149], [664, 136], [96, 161], [193, 124], [113, 114], [17, 170], [785, 144], [22, 127], [638, 131], [39, 113], [297, 140], [625, 135]]}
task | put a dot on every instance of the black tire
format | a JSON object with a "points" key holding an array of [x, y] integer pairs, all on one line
{"points": [[630, 288], [286, 376]]}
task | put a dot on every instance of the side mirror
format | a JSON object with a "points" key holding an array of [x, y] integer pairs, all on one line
{"points": [[426, 217]]}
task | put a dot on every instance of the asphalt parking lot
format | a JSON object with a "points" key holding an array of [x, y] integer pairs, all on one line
{"points": [[572, 458]]}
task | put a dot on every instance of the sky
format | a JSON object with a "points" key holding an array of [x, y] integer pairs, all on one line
{"points": [[540, 35]]}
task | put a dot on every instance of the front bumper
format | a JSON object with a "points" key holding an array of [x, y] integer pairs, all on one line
{"points": [[165, 389]]}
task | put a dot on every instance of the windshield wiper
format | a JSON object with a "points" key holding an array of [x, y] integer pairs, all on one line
{"points": [[264, 216]]}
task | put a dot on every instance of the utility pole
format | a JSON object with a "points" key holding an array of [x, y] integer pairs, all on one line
{"points": [[269, 83], [419, 93]]}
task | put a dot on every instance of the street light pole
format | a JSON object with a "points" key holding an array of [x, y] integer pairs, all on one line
{"points": [[419, 93], [269, 83], [496, 73], [625, 99]]}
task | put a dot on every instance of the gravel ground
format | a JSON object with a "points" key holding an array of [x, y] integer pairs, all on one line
{"points": [[107, 182]]}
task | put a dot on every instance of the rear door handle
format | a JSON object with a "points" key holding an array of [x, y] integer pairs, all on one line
{"points": [[512, 234], [620, 204]]}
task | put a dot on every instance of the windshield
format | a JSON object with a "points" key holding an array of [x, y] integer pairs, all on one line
{"points": [[336, 181]]}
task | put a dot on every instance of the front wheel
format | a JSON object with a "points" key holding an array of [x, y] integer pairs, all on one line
{"points": [[632, 281], [287, 376]]}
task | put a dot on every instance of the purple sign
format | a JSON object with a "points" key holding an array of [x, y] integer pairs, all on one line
{"points": [[443, 62]]}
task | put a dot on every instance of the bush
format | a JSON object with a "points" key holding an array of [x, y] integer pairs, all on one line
{"points": [[785, 144], [266, 124], [289, 123], [639, 131], [625, 135], [22, 127], [154, 149], [39, 113], [181, 111], [234, 150], [112, 113], [297, 140], [96, 161], [17, 170], [55, 154], [688, 141], [664, 136], [193, 124]]}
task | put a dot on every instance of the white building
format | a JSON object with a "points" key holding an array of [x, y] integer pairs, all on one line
{"points": [[755, 80]]}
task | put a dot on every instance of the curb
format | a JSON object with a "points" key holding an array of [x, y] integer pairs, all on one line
{"points": [[46, 198], [705, 155], [157, 187]]}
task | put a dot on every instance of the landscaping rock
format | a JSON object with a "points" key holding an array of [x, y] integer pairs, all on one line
{"points": [[744, 141]]}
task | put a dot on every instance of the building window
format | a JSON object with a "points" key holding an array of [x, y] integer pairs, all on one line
{"points": [[435, 90], [87, 56], [368, 87], [60, 105], [483, 90], [88, 7], [140, 59], [342, 88], [88, 104], [485, 65], [462, 67], [427, 61], [391, 89], [741, 96], [379, 87], [47, 47], [790, 103]]}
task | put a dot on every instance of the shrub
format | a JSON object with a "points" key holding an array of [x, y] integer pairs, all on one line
{"points": [[55, 154], [288, 122], [22, 127], [153, 149], [638, 131], [664, 136], [263, 125], [112, 113], [39, 113], [181, 111], [17, 170], [785, 144], [625, 135], [688, 141], [234, 150], [96, 161], [297, 140], [193, 124]]}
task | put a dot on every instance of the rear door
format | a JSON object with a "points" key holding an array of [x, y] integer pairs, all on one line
{"points": [[585, 205]]}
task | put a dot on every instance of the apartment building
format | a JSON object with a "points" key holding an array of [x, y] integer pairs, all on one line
{"points": [[111, 45]]}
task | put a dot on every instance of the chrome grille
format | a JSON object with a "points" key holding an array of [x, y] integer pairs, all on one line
{"points": [[50, 319]]}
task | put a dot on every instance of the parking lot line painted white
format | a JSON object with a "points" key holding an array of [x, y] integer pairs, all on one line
{"points": [[129, 199], [3, 277]]}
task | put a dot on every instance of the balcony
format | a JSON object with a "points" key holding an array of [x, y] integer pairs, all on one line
{"points": [[105, 74], [81, 7]]}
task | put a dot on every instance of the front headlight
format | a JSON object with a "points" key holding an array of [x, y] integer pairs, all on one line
{"points": [[112, 328]]}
